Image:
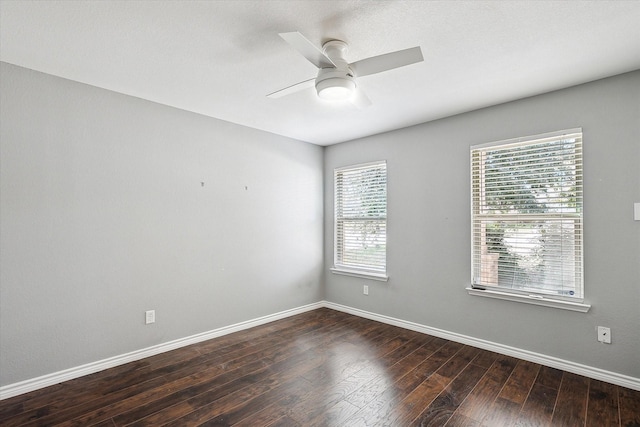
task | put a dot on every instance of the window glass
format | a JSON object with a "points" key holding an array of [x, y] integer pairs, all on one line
{"points": [[527, 215]]}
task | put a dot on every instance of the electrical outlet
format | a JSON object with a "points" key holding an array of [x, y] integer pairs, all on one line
{"points": [[149, 316], [365, 290], [604, 334]]}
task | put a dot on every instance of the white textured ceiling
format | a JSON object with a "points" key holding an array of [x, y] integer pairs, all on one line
{"points": [[220, 58]]}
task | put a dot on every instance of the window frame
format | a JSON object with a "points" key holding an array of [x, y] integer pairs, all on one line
{"points": [[531, 296], [339, 265]]}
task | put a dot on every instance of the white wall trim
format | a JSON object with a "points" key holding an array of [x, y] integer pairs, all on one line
{"points": [[361, 274], [27, 386], [530, 299], [542, 359], [33, 384]]}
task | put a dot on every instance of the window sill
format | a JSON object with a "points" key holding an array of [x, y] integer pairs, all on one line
{"points": [[547, 302], [362, 274]]}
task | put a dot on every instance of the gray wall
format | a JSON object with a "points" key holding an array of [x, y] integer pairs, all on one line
{"points": [[429, 225], [103, 216]]}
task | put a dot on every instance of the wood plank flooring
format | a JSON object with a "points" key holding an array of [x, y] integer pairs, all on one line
{"points": [[327, 368]]}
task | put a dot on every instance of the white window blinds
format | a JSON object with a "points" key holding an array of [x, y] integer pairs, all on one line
{"points": [[361, 217], [527, 215]]}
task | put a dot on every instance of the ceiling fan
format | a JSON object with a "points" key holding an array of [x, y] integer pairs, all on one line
{"points": [[337, 79]]}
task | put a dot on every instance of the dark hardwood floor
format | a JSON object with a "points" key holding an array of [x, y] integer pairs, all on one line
{"points": [[327, 368]]}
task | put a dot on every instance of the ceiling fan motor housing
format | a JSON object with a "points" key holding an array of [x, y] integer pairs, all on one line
{"points": [[339, 82]]}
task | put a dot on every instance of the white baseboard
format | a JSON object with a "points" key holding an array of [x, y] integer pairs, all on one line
{"points": [[27, 386], [542, 359]]}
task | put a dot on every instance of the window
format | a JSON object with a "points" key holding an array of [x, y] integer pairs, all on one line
{"points": [[360, 247], [527, 218]]}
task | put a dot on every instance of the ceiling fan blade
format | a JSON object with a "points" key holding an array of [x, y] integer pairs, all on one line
{"points": [[388, 61], [308, 49], [360, 99], [292, 89]]}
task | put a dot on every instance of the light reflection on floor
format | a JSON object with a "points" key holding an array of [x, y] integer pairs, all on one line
{"points": [[348, 377]]}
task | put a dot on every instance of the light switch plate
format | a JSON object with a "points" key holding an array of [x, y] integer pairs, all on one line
{"points": [[636, 211]]}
